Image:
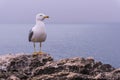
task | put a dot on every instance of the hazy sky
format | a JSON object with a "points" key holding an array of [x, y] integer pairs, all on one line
{"points": [[60, 11]]}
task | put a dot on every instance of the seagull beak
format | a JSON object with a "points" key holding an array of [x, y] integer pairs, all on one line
{"points": [[46, 16]]}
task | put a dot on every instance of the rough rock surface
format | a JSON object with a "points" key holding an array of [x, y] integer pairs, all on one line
{"points": [[43, 67]]}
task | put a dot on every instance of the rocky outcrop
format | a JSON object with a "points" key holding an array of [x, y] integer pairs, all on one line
{"points": [[43, 67]]}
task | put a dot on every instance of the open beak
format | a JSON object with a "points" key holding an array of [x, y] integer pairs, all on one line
{"points": [[46, 16]]}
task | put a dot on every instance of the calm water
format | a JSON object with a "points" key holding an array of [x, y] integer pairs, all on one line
{"points": [[102, 41]]}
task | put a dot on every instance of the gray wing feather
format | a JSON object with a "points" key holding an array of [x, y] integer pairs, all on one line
{"points": [[30, 35]]}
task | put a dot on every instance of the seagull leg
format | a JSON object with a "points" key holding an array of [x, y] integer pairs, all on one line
{"points": [[34, 47], [40, 49], [35, 53]]}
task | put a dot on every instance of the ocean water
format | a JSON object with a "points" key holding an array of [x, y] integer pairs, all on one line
{"points": [[101, 41]]}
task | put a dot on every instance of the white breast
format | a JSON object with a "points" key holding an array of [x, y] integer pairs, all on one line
{"points": [[39, 33]]}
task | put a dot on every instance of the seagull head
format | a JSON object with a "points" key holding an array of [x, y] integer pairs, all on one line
{"points": [[41, 17]]}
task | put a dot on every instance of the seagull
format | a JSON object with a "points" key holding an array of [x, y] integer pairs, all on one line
{"points": [[38, 32]]}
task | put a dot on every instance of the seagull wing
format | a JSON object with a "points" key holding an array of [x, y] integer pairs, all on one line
{"points": [[30, 35]]}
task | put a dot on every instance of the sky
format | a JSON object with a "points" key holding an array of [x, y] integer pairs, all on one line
{"points": [[60, 11]]}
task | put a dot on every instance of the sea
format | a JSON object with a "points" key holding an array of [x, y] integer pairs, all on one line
{"points": [[100, 41]]}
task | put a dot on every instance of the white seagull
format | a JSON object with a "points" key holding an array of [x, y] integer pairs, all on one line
{"points": [[38, 33]]}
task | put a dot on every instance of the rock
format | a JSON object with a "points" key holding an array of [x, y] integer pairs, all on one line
{"points": [[22, 66], [3, 75], [43, 67], [113, 75], [12, 77]]}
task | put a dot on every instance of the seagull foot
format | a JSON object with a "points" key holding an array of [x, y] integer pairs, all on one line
{"points": [[40, 53], [35, 53]]}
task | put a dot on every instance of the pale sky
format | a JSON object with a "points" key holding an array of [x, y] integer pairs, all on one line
{"points": [[60, 11]]}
